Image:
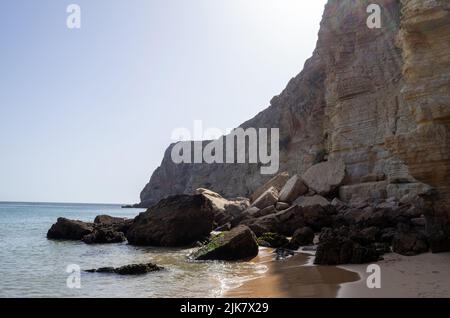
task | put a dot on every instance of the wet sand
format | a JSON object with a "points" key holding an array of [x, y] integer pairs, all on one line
{"points": [[294, 277], [425, 275]]}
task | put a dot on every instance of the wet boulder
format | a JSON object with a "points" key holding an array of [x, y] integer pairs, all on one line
{"points": [[238, 244], [65, 229], [133, 269], [303, 236], [272, 240], [104, 235]]}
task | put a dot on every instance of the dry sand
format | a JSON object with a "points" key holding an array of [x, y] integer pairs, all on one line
{"points": [[426, 275]]}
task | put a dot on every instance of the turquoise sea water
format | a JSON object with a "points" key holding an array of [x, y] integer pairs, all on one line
{"points": [[32, 266]]}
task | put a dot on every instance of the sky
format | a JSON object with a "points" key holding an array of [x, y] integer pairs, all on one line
{"points": [[86, 114]]}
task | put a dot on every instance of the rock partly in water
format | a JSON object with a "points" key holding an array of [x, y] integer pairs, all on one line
{"points": [[304, 236], [104, 235], [272, 240], [65, 229], [238, 244], [133, 269], [176, 221]]}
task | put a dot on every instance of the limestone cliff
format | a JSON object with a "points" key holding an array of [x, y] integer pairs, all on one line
{"points": [[379, 99]]}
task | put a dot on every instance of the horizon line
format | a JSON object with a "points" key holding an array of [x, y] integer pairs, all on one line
{"points": [[54, 202]]}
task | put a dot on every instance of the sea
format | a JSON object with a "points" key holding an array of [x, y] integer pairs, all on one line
{"points": [[33, 266]]}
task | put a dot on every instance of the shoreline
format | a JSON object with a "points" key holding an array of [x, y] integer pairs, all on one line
{"points": [[420, 276], [294, 277], [424, 275]]}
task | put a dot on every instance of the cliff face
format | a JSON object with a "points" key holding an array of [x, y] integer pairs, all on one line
{"points": [[377, 98]]}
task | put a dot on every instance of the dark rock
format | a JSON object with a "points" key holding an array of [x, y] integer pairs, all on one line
{"points": [[266, 211], [280, 206], [387, 235], [419, 222], [318, 217], [238, 244], [283, 253], [409, 243], [272, 240], [302, 237], [104, 235], [108, 220], [336, 247], [176, 221], [288, 221], [225, 227], [66, 229], [437, 223], [113, 223], [263, 224], [133, 269], [366, 236]]}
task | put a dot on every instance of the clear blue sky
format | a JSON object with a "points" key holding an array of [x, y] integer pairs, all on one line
{"points": [[85, 115]]}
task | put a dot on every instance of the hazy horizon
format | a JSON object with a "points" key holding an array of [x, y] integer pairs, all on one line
{"points": [[87, 114]]}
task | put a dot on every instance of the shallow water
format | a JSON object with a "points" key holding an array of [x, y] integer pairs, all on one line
{"points": [[32, 266]]}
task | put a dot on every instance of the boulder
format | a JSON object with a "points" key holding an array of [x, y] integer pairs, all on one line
{"points": [[268, 198], [280, 206], [104, 235], [224, 210], [293, 188], [338, 204], [302, 237], [409, 243], [325, 177], [133, 269], [113, 223], [336, 247], [66, 229], [272, 240], [276, 182], [366, 235], [259, 226], [305, 201], [238, 244], [266, 211], [176, 221], [318, 217], [288, 221], [108, 220]]}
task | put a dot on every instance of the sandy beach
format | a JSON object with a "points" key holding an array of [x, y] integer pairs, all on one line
{"points": [[425, 275], [294, 277]]}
